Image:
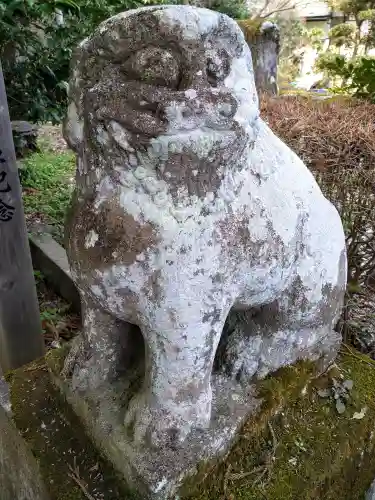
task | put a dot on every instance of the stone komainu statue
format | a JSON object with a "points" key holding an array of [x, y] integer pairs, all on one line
{"points": [[188, 209]]}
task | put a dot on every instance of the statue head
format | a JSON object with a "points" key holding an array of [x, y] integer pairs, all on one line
{"points": [[168, 90]]}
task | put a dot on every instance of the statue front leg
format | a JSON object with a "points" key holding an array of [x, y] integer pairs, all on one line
{"points": [[177, 395]]}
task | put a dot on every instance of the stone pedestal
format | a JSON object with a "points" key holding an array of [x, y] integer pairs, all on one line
{"points": [[281, 451], [19, 475], [70, 465], [150, 471]]}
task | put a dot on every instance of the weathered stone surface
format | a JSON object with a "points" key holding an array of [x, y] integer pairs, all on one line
{"points": [[371, 492], [4, 394], [25, 136], [188, 211], [265, 49], [19, 475]]}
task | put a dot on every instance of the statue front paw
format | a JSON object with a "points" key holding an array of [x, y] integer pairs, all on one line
{"points": [[168, 423]]}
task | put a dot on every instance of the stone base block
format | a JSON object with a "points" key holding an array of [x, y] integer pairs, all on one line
{"points": [[296, 446], [70, 465], [19, 475], [153, 472]]}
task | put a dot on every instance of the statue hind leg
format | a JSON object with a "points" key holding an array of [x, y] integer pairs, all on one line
{"points": [[299, 324]]}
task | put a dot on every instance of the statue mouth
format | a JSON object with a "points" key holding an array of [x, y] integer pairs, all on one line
{"points": [[145, 115], [129, 138]]}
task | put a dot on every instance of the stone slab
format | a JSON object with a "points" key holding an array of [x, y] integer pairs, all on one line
{"points": [[50, 258], [71, 467], [19, 475], [4, 394]]}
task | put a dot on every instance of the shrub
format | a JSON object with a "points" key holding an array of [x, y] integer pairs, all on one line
{"points": [[237, 9], [336, 140], [357, 75], [342, 34], [36, 43], [361, 75], [331, 63], [35, 53]]}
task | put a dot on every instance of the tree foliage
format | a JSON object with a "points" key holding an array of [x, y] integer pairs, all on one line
{"points": [[360, 11], [294, 38], [354, 70], [36, 42], [237, 9], [357, 75], [342, 34]]}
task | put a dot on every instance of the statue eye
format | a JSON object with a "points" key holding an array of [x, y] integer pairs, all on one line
{"points": [[155, 66], [218, 67]]}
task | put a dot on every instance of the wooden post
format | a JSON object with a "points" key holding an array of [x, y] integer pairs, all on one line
{"points": [[21, 338]]}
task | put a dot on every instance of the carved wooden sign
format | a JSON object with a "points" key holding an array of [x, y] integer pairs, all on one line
{"points": [[20, 329], [6, 210]]}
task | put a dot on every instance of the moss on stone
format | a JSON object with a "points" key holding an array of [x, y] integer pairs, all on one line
{"points": [[56, 357], [296, 447], [250, 27]]}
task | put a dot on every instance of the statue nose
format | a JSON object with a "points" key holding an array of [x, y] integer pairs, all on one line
{"points": [[219, 99], [213, 108]]}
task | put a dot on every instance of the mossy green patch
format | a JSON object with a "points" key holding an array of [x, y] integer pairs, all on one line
{"points": [[250, 27], [70, 465], [299, 446], [56, 357]]}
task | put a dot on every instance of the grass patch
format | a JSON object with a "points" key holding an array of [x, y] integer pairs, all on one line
{"points": [[47, 180]]}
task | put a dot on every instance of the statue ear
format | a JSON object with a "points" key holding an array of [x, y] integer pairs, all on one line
{"points": [[73, 128]]}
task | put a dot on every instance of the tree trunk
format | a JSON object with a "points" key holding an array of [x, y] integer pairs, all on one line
{"points": [[357, 39]]}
